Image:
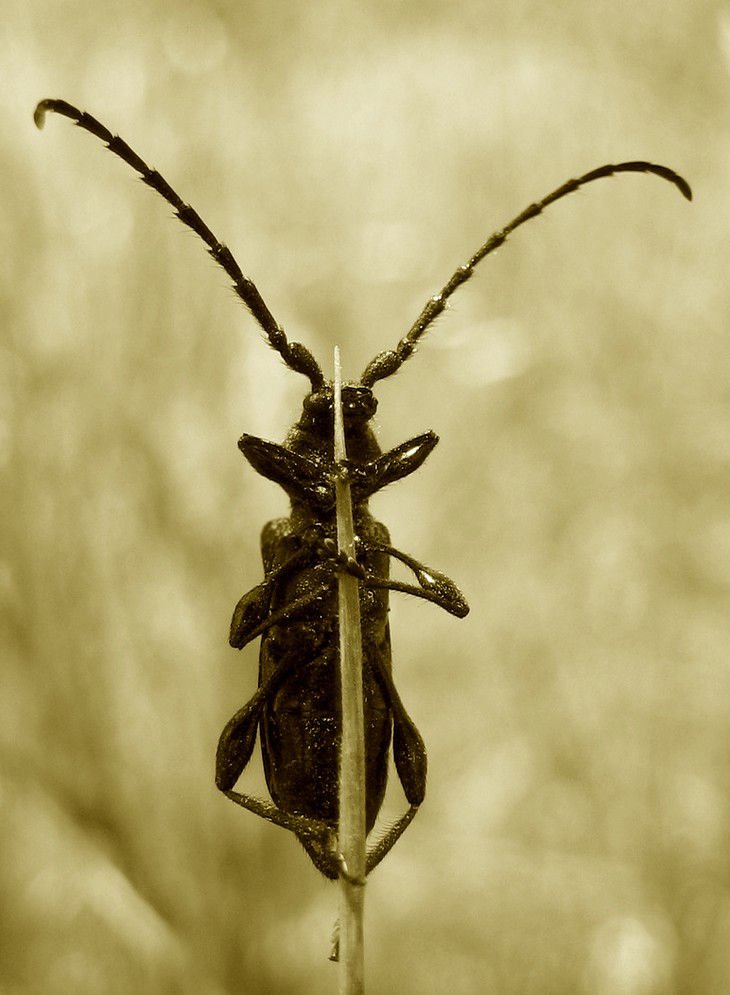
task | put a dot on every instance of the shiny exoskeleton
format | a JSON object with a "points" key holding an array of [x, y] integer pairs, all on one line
{"points": [[295, 610], [296, 708]]}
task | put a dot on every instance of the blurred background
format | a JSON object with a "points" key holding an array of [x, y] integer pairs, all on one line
{"points": [[575, 832]]}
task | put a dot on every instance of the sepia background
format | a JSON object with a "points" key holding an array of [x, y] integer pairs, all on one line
{"points": [[575, 832]]}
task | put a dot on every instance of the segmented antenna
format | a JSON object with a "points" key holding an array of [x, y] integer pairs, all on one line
{"points": [[296, 356], [387, 363]]}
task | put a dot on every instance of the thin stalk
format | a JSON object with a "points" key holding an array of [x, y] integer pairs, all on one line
{"points": [[351, 836]]}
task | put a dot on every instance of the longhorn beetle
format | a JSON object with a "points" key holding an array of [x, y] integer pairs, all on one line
{"points": [[296, 708]]}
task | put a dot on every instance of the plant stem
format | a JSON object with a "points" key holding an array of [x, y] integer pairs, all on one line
{"points": [[351, 835]]}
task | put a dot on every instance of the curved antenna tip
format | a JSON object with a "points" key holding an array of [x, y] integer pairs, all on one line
{"points": [[39, 114], [684, 188]]}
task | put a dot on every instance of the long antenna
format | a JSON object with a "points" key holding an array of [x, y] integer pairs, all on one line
{"points": [[296, 356], [387, 363]]}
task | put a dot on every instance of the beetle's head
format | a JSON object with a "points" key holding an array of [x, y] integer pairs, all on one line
{"points": [[358, 407]]}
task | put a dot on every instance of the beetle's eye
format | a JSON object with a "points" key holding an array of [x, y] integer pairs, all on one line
{"points": [[358, 402]]}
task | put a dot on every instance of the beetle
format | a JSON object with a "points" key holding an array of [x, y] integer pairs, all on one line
{"points": [[296, 707]]}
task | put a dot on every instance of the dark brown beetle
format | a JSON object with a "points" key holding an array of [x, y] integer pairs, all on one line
{"points": [[296, 708]]}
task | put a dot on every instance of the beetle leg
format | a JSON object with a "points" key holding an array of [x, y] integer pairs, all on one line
{"points": [[317, 837], [288, 612], [251, 615], [301, 478], [409, 751], [432, 586], [238, 738], [384, 845], [397, 463], [250, 612], [409, 754]]}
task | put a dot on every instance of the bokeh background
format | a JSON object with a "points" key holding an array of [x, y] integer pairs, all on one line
{"points": [[575, 834]]}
